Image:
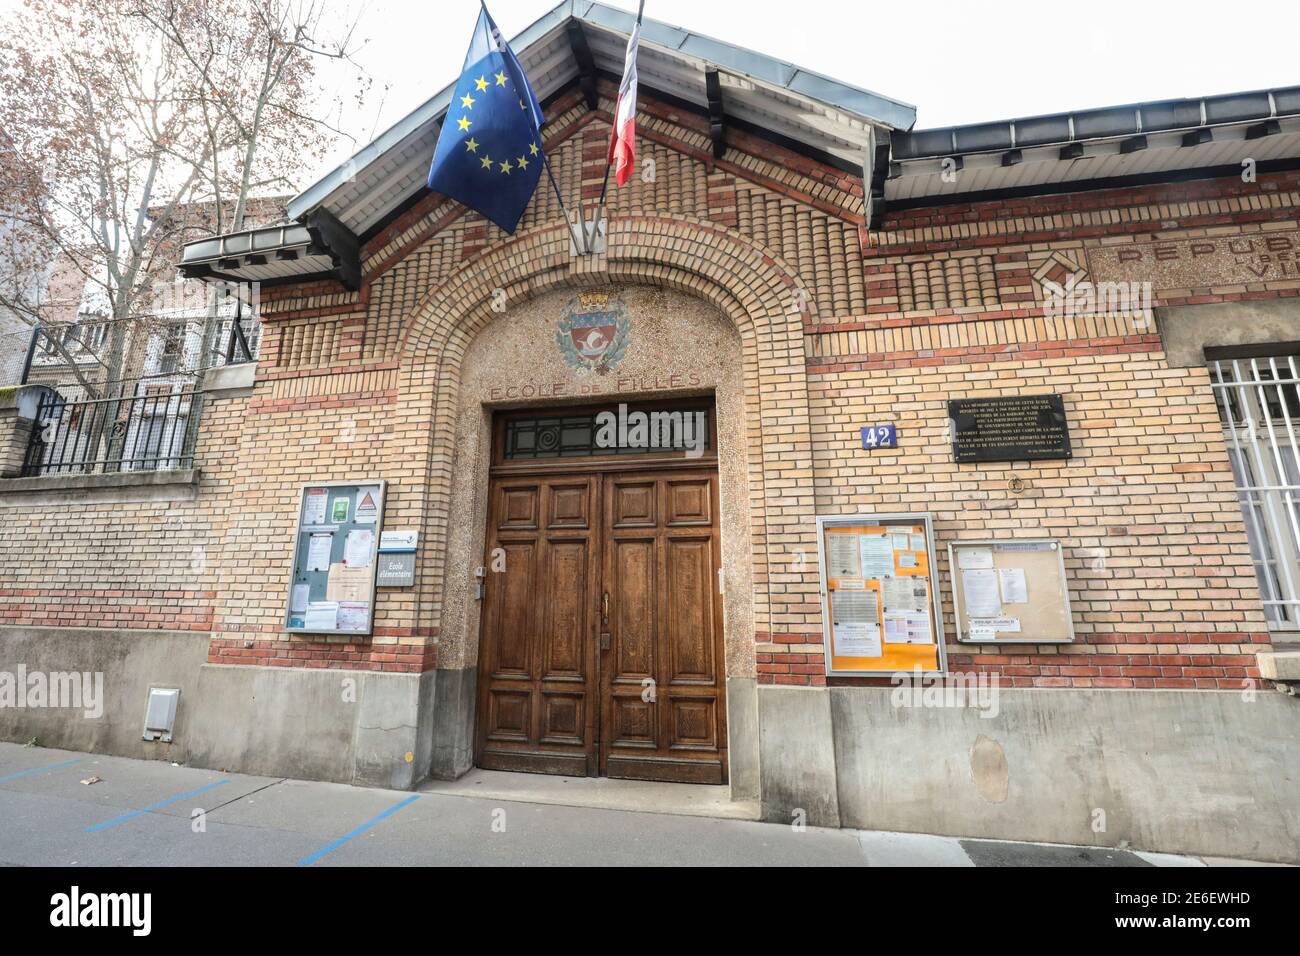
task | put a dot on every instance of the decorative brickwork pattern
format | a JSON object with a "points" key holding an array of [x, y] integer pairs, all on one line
{"points": [[839, 327]]}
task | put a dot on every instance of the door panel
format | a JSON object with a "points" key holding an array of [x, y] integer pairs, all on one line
{"points": [[538, 655], [651, 704], [661, 682], [688, 627]]}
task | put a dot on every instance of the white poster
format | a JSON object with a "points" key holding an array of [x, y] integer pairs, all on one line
{"points": [[301, 596], [354, 616], [980, 591], [909, 627], [842, 557], [877, 556], [313, 509], [367, 506], [359, 548], [971, 559], [855, 624], [1015, 590], [322, 616], [318, 552], [904, 594]]}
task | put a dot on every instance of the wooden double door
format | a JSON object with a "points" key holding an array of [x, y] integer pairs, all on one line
{"points": [[601, 650]]}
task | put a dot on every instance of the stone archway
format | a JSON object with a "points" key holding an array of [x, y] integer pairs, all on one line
{"points": [[757, 292]]}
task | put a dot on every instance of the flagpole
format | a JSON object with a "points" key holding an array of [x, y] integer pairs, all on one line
{"points": [[581, 244], [604, 186], [546, 162]]}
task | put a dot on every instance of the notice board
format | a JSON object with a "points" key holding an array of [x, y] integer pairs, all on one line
{"points": [[880, 597], [1010, 592], [336, 542]]}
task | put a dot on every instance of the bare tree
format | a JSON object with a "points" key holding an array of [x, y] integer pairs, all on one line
{"points": [[130, 126], [251, 79], [252, 67]]}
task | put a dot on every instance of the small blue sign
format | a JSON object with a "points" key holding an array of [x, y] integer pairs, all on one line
{"points": [[879, 436]]}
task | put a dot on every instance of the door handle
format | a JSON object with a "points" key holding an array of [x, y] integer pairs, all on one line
{"points": [[604, 621]]}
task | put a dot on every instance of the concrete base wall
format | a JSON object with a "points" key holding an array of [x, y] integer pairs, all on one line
{"points": [[358, 727], [130, 661], [453, 722], [1206, 773], [796, 757], [742, 738]]}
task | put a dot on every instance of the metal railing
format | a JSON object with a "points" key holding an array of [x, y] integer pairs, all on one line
{"points": [[163, 347], [1259, 405], [146, 427]]}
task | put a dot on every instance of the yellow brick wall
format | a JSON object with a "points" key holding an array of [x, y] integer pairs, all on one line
{"points": [[841, 328]]}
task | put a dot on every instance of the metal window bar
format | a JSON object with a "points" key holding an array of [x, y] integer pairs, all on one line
{"points": [[155, 428], [1258, 405]]}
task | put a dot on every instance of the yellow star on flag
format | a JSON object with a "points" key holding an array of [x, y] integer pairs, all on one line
{"points": [[471, 144], [464, 124], [501, 79], [506, 167], [486, 162], [481, 84], [521, 163], [532, 150], [467, 101]]}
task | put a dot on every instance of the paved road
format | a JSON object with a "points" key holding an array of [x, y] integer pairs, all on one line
{"points": [[144, 813]]}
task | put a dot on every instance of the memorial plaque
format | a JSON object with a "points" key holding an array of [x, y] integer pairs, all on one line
{"points": [[1015, 428]]}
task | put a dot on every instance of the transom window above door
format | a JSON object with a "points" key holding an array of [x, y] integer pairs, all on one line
{"points": [[659, 429]]}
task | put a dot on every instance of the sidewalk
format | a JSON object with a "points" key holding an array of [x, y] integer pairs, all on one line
{"points": [[140, 813]]}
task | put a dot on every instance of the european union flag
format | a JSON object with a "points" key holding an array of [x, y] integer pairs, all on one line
{"points": [[489, 153]]}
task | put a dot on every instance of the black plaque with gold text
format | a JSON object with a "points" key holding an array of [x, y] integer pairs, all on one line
{"points": [[1014, 428]]}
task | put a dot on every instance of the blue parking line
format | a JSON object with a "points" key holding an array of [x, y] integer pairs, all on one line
{"points": [[357, 832], [153, 806], [28, 773]]}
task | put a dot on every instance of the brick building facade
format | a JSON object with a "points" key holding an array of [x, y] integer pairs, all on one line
{"points": [[804, 298]]}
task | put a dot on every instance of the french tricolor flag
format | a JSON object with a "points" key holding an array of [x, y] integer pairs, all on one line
{"points": [[622, 144]]}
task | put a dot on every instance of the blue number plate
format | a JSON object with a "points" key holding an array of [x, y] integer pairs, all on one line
{"points": [[879, 436]]}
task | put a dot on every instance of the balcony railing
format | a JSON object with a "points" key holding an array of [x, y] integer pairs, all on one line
{"points": [[148, 426]]}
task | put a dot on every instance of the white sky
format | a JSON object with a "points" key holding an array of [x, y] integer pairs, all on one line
{"points": [[956, 62]]}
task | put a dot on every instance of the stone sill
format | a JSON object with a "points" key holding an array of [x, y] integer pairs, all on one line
{"points": [[230, 381], [1280, 667], [124, 486]]}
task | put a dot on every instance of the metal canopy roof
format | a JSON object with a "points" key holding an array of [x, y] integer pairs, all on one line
{"points": [[1139, 140], [812, 109], [866, 131], [259, 255]]}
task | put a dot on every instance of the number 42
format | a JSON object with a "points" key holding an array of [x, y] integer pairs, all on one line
{"points": [[879, 436]]}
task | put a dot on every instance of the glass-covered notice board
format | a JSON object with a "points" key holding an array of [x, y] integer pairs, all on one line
{"points": [[332, 588], [880, 597]]}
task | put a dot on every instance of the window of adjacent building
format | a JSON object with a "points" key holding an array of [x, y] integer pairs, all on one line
{"points": [[1259, 405], [173, 341]]}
